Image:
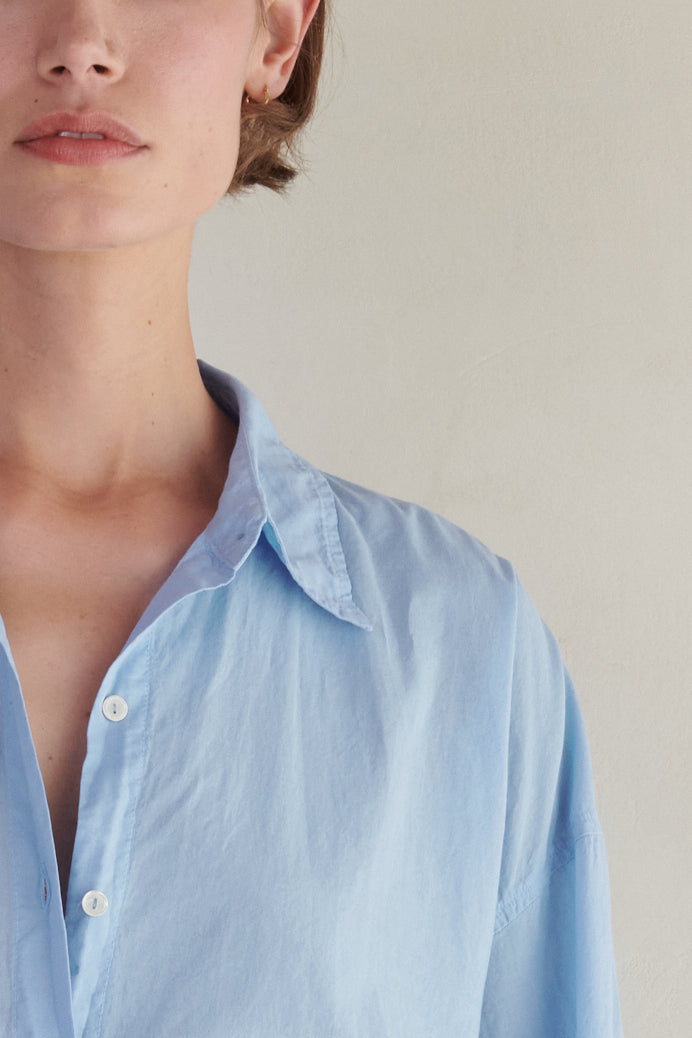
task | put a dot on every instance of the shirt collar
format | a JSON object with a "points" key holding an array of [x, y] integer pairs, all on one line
{"points": [[273, 491]]}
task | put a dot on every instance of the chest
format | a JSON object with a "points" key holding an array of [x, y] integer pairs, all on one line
{"points": [[62, 649], [66, 622], [73, 584]]}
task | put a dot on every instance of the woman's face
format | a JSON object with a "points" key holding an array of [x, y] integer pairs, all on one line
{"points": [[174, 71]]}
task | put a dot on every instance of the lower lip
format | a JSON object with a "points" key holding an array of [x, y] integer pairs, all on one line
{"points": [[80, 151]]}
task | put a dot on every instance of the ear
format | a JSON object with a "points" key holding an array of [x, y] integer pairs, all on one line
{"points": [[280, 36]]}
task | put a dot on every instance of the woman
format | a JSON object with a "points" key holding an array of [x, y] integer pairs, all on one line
{"points": [[299, 759]]}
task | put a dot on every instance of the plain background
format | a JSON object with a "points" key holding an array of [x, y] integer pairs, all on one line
{"points": [[479, 299]]}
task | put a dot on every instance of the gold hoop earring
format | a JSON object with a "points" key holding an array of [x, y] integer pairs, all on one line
{"points": [[266, 98]]}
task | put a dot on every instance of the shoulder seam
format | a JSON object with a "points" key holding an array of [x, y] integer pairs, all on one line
{"points": [[527, 893]]}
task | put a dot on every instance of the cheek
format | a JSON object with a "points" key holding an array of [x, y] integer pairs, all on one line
{"points": [[202, 98], [202, 157], [209, 145], [17, 62], [209, 56]]}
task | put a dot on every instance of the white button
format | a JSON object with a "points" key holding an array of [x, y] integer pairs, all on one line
{"points": [[95, 903], [114, 708]]}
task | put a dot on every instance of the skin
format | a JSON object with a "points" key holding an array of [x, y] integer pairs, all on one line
{"points": [[112, 455]]}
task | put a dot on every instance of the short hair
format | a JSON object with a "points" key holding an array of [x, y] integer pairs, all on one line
{"points": [[268, 153]]}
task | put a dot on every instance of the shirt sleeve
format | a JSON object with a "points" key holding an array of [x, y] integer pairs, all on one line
{"points": [[551, 971]]}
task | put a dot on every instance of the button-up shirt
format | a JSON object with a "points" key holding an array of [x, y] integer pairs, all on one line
{"points": [[336, 783]]}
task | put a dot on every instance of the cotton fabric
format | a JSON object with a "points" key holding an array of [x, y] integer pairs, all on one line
{"points": [[351, 795]]}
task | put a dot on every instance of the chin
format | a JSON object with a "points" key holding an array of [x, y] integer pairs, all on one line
{"points": [[96, 231]]}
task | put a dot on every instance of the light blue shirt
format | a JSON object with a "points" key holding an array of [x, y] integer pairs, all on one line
{"points": [[336, 784]]}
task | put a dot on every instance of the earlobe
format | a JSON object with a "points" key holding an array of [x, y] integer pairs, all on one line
{"points": [[284, 27]]}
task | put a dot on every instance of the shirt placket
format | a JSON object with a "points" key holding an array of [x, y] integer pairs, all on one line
{"points": [[112, 777]]}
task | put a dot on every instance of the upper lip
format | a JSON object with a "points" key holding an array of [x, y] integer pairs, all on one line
{"points": [[81, 122]]}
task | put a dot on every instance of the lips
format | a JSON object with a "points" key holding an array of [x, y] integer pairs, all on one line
{"points": [[101, 123]]}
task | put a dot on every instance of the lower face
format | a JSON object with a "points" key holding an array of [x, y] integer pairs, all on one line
{"points": [[181, 69]]}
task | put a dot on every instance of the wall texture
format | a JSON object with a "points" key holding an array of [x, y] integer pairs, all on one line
{"points": [[479, 298]]}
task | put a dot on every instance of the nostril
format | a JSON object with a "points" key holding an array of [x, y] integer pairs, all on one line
{"points": [[100, 70]]}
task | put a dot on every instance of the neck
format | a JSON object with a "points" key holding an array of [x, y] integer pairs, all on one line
{"points": [[99, 385]]}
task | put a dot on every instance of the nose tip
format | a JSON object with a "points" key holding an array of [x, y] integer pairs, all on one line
{"points": [[79, 46], [81, 74], [80, 62]]}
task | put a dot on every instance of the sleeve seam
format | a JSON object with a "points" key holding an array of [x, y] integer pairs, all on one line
{"points": [[527, 893]]}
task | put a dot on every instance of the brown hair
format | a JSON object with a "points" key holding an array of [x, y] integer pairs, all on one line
{"points": [[268, 153]]}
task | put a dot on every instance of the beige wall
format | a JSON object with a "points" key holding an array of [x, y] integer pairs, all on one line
{"points": [[479, 300]]}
